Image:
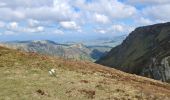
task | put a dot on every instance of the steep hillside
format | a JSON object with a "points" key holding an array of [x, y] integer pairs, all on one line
{"points": [[68, 51], [146, 52], [24, 76]]}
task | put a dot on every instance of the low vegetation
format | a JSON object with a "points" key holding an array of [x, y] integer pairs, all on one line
{"points": [[24, 76]]}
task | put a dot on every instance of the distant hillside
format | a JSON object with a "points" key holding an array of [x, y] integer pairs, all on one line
{"points": [[68, 51], [24, 76], [109, 41], [146, 52]]}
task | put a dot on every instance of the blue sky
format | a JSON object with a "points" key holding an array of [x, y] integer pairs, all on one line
{"points": [[64, 20]]}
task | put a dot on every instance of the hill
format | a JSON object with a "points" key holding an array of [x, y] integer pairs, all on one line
{"points": [[76, 51], [24, 76], [146, 52]]}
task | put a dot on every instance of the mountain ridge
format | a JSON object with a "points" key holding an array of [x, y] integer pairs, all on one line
{"points": [[77, 51], [142, 51]]}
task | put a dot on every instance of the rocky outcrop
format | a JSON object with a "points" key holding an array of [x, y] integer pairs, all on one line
{"points": [[145, 52], [158, 71]]}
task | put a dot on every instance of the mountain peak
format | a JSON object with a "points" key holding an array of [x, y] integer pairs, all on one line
{"points": [[78, 45], [44, 41]]}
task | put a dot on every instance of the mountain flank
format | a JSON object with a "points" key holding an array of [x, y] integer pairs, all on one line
{"points": [[146, 52]]}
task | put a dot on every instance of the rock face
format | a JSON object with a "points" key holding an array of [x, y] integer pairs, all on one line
{"points": [[146, 52]]}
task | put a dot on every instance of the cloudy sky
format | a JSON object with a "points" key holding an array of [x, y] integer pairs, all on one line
{"points": [[77, 19]]}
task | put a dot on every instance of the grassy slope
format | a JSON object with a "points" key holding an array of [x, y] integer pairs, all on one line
{"points": [[24, 76]]}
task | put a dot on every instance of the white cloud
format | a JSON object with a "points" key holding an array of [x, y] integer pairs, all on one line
{"points": [[102, 31], [58, 32], [70, 25], [2, 24], [101, 18], [33, 23], [112, 8], [40, 28], [31, 30], [15, 28], [159, 12], [117, 28], [49, 14], [8, 14], [26, 3], [143, 21], [121, 28], [148, 2], [2, 4], [12, 26], [80, 16], [62, 11], [45, 10]]}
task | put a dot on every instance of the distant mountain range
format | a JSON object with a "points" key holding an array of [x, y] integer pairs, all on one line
{"points": [[88, 50], [146, 52]]}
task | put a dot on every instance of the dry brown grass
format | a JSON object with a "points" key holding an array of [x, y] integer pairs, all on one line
{"points": [[24, 76]]}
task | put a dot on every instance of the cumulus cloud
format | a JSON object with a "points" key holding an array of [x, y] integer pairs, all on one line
{"points": [[159, 12], [8, 14], [2, 4], [40, 28], [16, 28], [2, 24], [58, 32], [100, 18], [111, 8], [101, 31], [33, 23], [31, 30], [26, 3], [103, 16], [70, 25], [148, 2], [12, 26], [115, 29], [54, 10], [144, 21], [49, 14]]}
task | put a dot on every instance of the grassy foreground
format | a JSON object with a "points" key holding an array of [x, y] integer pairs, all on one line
{"points": [[24, 76]]}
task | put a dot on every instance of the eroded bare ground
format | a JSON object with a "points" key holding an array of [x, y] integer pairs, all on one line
{"points": [[24, 76]]}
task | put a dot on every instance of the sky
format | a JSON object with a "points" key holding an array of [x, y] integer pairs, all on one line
{"points": [[64, 20]]}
